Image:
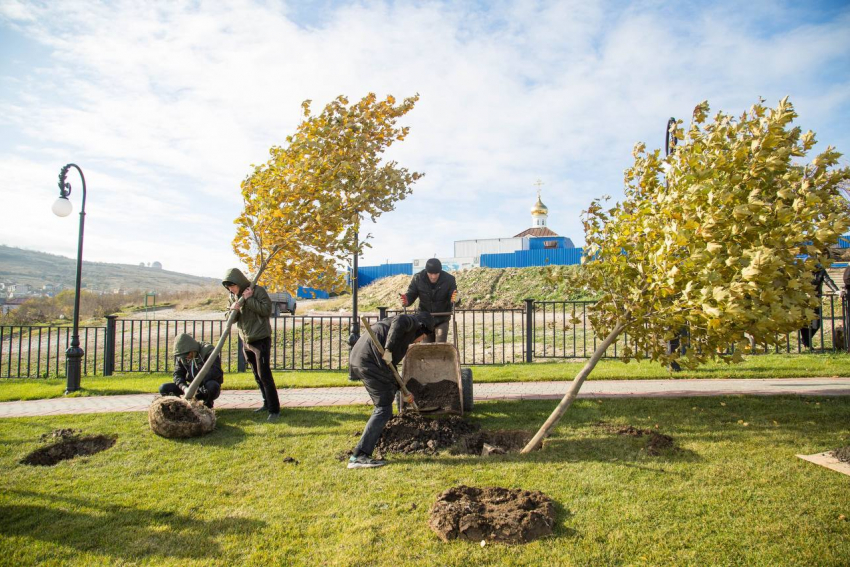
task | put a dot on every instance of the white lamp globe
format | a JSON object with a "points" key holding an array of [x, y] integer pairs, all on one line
{"points": [[62, 207]]}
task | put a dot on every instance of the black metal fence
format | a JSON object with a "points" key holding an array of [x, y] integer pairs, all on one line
{"points": [[542, 330]]}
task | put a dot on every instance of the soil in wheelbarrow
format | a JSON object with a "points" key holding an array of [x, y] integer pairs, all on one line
{"points": [[69, 446], [443, 395], [411, 433], [492, 514], [656, 442]]}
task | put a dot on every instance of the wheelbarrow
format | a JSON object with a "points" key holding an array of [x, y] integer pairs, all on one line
{"points": [[428, 368]]}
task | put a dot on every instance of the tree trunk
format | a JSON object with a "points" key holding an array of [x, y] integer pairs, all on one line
{"points": [[571, 395]]}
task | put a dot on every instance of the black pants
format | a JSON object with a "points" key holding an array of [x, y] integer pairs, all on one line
{"points": [[208, 392], [808, 333], [263, 372], [382, 394]]}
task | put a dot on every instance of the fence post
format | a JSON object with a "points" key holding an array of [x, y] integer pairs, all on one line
{"points": [[529, 330], [382, 313], [240, 355], [109, 346]]}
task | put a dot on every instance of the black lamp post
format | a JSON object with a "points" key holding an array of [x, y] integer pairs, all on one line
{"points": [[62, 208]]}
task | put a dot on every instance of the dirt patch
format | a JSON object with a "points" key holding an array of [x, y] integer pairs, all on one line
{"points": [[174, 417], [656, 442], [436, 395], [412, 433], [842, 454], [60, 434], [492, 514], [485, 443], [344, 455], [69, 447]]}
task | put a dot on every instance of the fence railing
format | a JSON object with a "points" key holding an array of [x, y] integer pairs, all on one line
{"points": [[540, 331]]}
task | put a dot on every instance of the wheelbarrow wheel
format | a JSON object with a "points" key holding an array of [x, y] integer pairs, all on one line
{"points": [[466, 384]]}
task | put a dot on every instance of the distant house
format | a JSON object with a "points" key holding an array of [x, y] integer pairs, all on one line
{"points": [[19, 290], [12, 304]]}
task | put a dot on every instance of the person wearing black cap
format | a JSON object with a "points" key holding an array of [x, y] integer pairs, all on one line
{"points": [[395, 334], [436, 291]]}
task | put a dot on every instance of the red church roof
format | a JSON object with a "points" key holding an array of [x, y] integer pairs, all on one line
{"points": [[536, 231]]}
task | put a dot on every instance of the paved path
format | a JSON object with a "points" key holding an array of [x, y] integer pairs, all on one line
{"points": [[303, 397]]}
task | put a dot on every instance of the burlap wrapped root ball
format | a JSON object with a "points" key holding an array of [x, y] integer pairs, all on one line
{"points": [[174, 417]]}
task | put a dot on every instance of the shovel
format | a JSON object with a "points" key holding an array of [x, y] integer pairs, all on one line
{"points": [[404, 391]]}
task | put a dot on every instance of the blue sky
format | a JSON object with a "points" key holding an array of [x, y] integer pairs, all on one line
{"points": [[165, 105]]}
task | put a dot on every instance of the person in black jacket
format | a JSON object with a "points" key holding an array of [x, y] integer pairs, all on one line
{"points": [[845, 301], [809, 331], [436, 291], [395, 334], [190, 356]]}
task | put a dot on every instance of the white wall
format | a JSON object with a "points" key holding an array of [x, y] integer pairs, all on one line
{"points": [[474, 248], [449, 264]]}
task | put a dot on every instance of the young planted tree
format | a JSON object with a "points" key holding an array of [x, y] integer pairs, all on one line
{"points": [[720, 238], [302, 208]]}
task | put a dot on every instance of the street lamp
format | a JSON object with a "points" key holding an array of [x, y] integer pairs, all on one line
{"points": [[62, 208]]}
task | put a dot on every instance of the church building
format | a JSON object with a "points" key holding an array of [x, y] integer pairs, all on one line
{"points": [[467, 253]]}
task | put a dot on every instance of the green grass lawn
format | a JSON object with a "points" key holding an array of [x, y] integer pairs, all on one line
{"points": [[762, 366], [733, 492]]}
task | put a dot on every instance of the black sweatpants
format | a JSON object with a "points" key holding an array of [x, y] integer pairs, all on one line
{"points": [[263, 372]]}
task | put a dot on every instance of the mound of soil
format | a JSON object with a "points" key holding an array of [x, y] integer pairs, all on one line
{"points": [[495, 514], [69, 447], [485, 443], [174, 417], [412, 433], [436, 395], [656, 442], [842, 454], [60, 434]]}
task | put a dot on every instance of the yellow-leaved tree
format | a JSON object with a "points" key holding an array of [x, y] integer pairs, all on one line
{"points": [[720, 238], [303, 207]]}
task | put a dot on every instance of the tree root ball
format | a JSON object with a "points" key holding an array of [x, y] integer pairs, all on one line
{"points": [[493, 514], [176, 418]]}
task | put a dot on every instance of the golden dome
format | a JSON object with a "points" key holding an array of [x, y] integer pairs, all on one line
{"points": [[539, 208]]}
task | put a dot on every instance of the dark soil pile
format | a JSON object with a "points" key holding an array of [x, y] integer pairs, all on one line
{"points": [[495, 514], [69, 447], [656, 442], [443, 395], [842, 454], [486, 443], [412, 433]]}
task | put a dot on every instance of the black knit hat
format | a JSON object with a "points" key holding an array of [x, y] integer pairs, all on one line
{"points": [[433, 266]]}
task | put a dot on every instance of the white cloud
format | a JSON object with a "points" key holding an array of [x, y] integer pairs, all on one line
{"points": [[168, 104]]}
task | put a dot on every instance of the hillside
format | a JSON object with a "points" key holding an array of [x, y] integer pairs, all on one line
{"points": [[478, 287], [39, 268]]}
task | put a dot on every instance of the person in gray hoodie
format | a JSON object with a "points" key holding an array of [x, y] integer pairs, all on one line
{"points": [[190, 356], [256, 332]]}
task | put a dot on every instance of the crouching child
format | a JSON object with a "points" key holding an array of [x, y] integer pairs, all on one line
{"points": [[190, 356]]}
